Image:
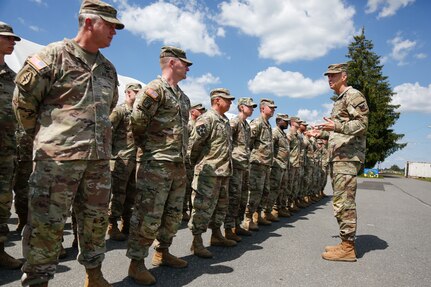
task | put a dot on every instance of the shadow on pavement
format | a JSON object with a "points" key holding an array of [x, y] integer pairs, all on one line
{"points": [[366, 243]]}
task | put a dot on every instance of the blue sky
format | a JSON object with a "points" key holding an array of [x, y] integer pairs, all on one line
{"points": [[274, 49]]}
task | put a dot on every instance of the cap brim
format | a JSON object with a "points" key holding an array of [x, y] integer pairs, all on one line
{"points": [[331, 72], [11, 34], [118, 24], [189, 63]]}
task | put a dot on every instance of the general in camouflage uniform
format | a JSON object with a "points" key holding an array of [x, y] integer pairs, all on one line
{"points": [[123, 165], [63, 99], [195, 111], [260, 165], [211, 155], [240, 158], [159, 123], [294, 161], [346, 130], [7, 141], [279, 169]]}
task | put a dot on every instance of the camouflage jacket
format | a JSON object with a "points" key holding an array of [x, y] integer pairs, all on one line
{"points": [[309, 150], [159, 122], [211, 145], [64, 101], [281, 148], [261, 142], [303, 149], [123, 145], [295, 148], [350, 115], [241, 142], [7, 117]]}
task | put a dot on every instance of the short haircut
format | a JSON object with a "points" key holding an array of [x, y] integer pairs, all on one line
{"points": [[83, 16]]}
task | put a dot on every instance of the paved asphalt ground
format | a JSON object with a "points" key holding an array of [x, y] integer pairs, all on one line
{"points": [[393, 247]]}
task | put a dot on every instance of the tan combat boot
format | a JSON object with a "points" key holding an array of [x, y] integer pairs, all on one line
{"points": [[332, 247], [7, 261], [249, 224], [284, 212], [94, 278], [162, 257], [198, 248], [217, 239], [272, 216], [22, 221], [139, 273], [115, 233], [241, 231], [257, 218], [345, 253], [293, 207], [229, 234]]}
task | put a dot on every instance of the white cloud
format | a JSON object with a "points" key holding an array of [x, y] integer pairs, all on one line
{"points": [[40, 2], [421, 56], [387, 7], [287, 84], [314, 117], [412, 98], [31, 27], [197, 88], [429, 136], [400, 49], [170, 25], [291, 30]]}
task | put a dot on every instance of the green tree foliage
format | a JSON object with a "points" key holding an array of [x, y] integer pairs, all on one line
{"points": [[365, 74]]}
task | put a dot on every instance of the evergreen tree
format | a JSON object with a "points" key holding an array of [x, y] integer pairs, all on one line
{"points": [[365, 74]]}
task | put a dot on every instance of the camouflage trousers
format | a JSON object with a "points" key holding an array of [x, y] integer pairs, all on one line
{"points": [[236, 198], [210, 202], [157, 213], [54, 187], [324, 178], [7, 166], [275, 179], [244, 197], [123, 173], [20, 188], [307, 180], [284, 194], [187, 204], [344, 184], [259, 186], [294, 180]]}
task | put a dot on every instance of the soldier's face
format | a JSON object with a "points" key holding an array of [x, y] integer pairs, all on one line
{"points": [[180, 69], [103, 33], [224, 104], [268, 111], [247, 110], [7, 44], [336, 80]]}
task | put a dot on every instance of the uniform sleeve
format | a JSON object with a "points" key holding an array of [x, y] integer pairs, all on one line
{"points": [[275, 140], [199, 135], [115, 118], [32, 84], [115, 96], [145, 107], [234, 127], [358, 111], [254, 132]]}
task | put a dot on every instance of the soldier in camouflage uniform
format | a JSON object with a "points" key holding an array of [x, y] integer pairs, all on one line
{"points": [[240, 159], [294, 161], [123, 165], [194, 113], [159, 123], [325, 166], [211, 155], [260, 165], [308, 165], [7, 141], [303, 162], [346, 130], [63, 99], [279, 166]]}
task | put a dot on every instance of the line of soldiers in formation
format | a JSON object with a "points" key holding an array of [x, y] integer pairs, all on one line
{"points": [[162, 159]]}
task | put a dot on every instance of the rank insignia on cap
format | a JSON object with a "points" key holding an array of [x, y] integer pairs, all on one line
{"points": [[150, 92], [37, 63]]}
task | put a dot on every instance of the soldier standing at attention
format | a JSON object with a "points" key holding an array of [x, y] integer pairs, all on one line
{"points": [[295, 165], [260, 165], [279, 166], [63, 99], [123, 165], [346, 130], [159, 123], [240, 160], [211, 154], [8, 152], [194, 113]]}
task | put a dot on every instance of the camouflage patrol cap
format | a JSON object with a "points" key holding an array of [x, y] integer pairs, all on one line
{"points": [[284, 117], [6, 30], [133, 87], [247, 102], [170, 51], [267, 102], [304, 123], [198, 107], [295, 119], [336, 68], [221, 92], [102, 9]]}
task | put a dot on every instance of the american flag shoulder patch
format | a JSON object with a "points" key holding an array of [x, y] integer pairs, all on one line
{"points": [[37, 63], [153, 94]]}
